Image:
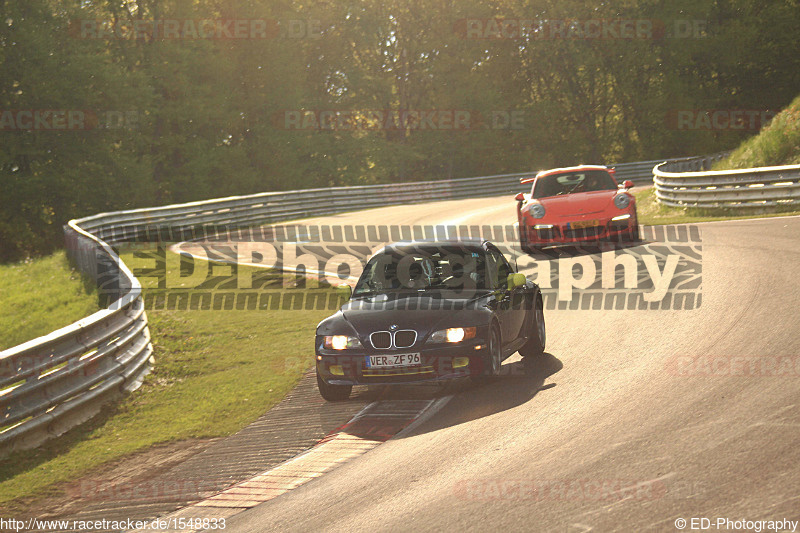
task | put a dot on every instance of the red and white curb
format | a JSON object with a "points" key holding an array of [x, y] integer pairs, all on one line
{"points": [[376, 423]]}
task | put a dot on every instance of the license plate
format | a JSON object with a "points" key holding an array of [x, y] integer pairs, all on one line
{"points": [[580, 224], [394, 360]]}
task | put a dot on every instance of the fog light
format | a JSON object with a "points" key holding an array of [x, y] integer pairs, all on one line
{"points": [[319, 358], [460, 362], [336, 370], [620, 221], [545, 231]]}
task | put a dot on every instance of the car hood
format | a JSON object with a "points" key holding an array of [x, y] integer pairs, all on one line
{"points": [[423, 312], [581, 203]]}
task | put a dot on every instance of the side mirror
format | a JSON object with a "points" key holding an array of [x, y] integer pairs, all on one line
{"points": [[516, 280], [520, 197], [628, 184], [345, 291]]}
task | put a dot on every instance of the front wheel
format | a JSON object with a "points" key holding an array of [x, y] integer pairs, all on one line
{"points": [[534, 347], [523, 240], [333, 393], [492, 362], [633, 235]]}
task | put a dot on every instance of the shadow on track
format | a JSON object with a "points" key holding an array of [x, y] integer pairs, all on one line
{"points": [[577, 250], [517, 384]]}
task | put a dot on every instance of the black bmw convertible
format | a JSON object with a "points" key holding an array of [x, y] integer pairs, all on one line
{"points": [[425, 311]]}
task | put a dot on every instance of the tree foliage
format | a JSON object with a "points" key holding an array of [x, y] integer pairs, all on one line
{"points": [[173, 119]]}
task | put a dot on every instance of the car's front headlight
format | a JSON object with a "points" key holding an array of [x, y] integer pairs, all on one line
{"points": [[622, 201], [453, 334], [341, 342], [537, 211]]}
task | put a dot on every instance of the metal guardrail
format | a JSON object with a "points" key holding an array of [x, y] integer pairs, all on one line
{"points": [[182, 221], [640, 173], [53, 383], [50, 384], [689, 184]]}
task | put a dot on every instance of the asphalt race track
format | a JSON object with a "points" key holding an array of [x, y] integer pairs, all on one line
{"points": [[632, 420]]}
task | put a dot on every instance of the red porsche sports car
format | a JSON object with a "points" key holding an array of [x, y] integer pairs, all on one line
{"points": [[575, 205]]}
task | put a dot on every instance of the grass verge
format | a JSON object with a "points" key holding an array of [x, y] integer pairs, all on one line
{"points": [[42, 295], [215, 372], [778, 143], [652, 213]]}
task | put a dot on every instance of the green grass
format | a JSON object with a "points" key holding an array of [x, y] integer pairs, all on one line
{"points": [[41, 295], [215, 372], [652, 213], [776, 144]]}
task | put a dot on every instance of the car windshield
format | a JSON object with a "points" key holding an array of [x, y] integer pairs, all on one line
{"points": [[573, 182], [423, 268]]}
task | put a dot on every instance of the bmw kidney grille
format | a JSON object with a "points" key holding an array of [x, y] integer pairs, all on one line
{"points": [[383, 340]]}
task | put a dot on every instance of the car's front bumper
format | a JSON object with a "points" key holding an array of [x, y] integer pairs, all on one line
{"points": [[543, 233], [442, 362]]}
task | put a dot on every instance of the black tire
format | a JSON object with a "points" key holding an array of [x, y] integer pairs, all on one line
{"points": [[333, 393], [523, 241], [492, 367], [635, 233], [535, 345], [633, 236]]}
